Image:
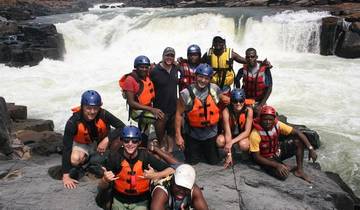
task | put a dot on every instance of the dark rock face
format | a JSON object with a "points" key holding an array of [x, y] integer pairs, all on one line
{"points": [[28, 44], [5, 126]]}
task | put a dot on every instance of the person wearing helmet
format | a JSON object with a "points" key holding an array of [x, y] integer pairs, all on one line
{"points": [[165, 79], [188, 66], [256, 80], [130, 170], [179, 192], [140, 93], [86, 138], [199, 102], [268, 152], [237, 121]]}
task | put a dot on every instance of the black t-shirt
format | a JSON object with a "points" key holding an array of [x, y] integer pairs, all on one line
{"points": [[165, 88], [113, 164], [71, 130]]}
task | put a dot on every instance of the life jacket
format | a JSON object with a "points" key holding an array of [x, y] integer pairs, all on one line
{"points": [[146, 93], [83, 136], [269, 143], [131, 181], [222, 65], [203, 114], [239, 122], [187, 75], [254, 84]]}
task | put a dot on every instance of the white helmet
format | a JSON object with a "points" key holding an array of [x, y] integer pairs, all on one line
{"points": [[185, 176]]}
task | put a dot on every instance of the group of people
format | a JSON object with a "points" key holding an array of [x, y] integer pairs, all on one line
{"points": [[217, 112]]}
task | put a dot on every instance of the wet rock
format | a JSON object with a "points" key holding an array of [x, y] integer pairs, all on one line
{"points": [[41, 143], [33, 124], [329, 33], [17, 112]]}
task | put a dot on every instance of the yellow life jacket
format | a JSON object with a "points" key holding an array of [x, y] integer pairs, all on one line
{"points": [[222, 65]]}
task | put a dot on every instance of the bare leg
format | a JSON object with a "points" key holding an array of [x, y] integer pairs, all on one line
{"points": [[299, 172], [220, 141], [160, 131]]}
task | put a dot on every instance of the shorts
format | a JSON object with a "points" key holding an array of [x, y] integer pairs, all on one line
{"points": [[287, 150], [199, 151], [88, 149], [117, 205], [143, 117]]}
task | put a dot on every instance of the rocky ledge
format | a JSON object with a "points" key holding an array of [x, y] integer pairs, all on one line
{"points": [[243, 186]]}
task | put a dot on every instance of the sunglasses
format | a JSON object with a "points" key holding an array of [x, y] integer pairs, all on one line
{"points": [[134, 141], [237, 101]]}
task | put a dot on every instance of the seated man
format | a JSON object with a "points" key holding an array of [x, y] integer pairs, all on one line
{"points": [[139, 93], [237, 121], [179, 191], [85, 133], [257, 80], [131, 169], [268, 152], [200, 103]]}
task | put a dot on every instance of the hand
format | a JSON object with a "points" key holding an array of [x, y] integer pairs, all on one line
{"points": [[267, 63], [283, 170], [108, 176], [225, 99], [180, 142], [158, 113], [312, 155], [149, 174], [69, 183], [227, 147], [228, 161], [103, 145]]}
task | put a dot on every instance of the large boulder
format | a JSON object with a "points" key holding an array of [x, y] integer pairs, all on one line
{"points": [[5, 126], [349, 42]]}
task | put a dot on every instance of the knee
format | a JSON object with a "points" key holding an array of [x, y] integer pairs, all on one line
{"points": [[244, 145], [77, 158], [299, 144], [220, 140]]}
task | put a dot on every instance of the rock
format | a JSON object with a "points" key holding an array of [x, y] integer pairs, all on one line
{"points": [[348, 45], [33, 124], [8, 27], [41, 143], [329, 33], [16, 13], [5, 128], [17, 112]]}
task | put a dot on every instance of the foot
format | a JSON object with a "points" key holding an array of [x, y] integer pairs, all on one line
{"points": [[302, 175]]}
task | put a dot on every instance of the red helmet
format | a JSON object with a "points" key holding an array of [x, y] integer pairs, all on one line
{"points": [[268, 110]]}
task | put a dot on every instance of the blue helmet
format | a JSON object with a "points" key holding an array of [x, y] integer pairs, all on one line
{"points": [[193, 49], [141, 60], [131, 132], [237, 95], [91, 98], [204, 69]]}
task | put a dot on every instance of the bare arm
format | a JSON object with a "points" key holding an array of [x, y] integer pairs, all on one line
{"points": [[130, 96], [165, 156], [180, 108], [198, 200], [226, 124], [238, 58], [159, 199], [248, 125]]}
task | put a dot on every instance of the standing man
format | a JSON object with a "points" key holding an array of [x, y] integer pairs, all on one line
{"points": [[199, 102], [269, 152], [221, 58], [257, 80], [188, 66], [86, 133], [164, 77]]}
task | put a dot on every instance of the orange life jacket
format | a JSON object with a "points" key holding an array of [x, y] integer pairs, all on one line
{"points": [[254, 84], [82, 136], [130, 180], [203, 114], [240, 121], [187, 76], [269, 143], [146, 93]]}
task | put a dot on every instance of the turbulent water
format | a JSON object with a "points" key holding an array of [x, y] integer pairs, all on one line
{"points": [[320, 92]]}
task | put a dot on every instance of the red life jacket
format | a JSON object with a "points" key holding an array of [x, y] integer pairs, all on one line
{"points": [[203, 114], [269, 143], [187, 76], [130, 180], [146, 93], [254, 85], [239, 122], [82, 136]]}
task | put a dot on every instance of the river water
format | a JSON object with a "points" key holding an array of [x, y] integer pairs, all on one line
{"points": [[320, 92]]}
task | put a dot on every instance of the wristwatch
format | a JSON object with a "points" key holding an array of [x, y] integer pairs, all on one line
{"points": [[311, 147]]}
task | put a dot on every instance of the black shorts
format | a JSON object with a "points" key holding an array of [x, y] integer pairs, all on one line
{"points": [[201, 151], [287, 150]]}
